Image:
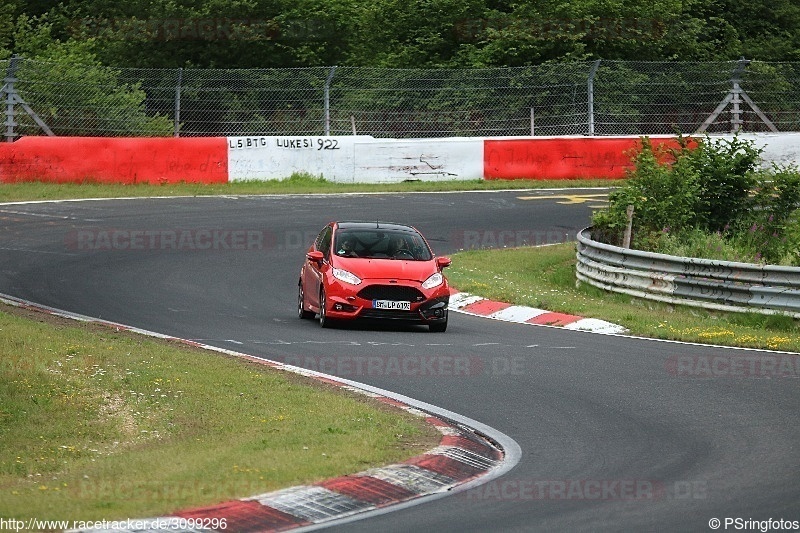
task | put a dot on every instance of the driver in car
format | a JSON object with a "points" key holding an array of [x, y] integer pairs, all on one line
{"points": [[346, 248], [399, 248]]}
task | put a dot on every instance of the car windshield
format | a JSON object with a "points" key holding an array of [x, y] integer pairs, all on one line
{"points": [[380, 243]]}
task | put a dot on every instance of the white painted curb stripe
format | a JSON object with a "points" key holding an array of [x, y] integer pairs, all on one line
{"points": [[312, 504], [595, 325], [517, 313], [463, 299], [521, 314]]}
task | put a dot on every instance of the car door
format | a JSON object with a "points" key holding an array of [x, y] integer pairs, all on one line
{"points": [[314, 272]]}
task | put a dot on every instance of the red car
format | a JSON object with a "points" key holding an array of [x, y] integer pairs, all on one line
{"points": [[373, 270]]}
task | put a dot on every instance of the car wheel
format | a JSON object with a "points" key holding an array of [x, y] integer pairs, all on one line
{"points": [[324, 321], [438, 327], [301, 303]]}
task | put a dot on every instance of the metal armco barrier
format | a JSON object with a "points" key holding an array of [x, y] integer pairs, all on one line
{"points": [[707, 283]]}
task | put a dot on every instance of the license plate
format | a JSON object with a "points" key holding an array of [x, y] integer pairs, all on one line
{"points": [[391, 304]]}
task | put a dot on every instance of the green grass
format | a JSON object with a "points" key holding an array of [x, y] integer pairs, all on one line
{"points": [[101, 424], [544, 278], [296, 184]]}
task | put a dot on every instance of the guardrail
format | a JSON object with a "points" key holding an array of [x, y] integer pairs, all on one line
{"points": [[707, 283]]}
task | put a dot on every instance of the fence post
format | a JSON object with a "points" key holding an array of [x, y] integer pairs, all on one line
{"points": [[736, 95], [178, 103], [12, 98], [8, 90], [590, 91], [327, 103], [532, 123]]}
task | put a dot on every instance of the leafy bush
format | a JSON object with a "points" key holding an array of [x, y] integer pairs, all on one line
{"points": [[769, 225], [728, 168], [710, 201], [664, 189]]}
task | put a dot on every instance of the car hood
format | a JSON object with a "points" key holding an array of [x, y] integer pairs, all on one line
{"points": [[387, 268]]}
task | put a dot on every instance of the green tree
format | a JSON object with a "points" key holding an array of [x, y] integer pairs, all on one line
{"points": [[399, 34], [8, 12], [72, 92], [768, 30], [422, 34]]}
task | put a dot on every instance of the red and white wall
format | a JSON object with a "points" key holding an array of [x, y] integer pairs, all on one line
{"points": [[346, 159]]}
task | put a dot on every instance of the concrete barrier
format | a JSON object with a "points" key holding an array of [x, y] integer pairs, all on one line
{"points": [[275, 158], [114, 160], [393, 160], [344, 159], [778, 148], [563, 158]]}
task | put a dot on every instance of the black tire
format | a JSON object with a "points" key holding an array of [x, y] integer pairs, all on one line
{"points": [[438, 327], [324, 321], [301, 303]]}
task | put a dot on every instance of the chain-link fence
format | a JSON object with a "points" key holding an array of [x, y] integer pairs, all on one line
{"points": [[579, 98]]}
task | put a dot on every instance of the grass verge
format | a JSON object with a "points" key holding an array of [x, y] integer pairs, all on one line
{"points": [[544, 278], [296, 184], [98, 424]]}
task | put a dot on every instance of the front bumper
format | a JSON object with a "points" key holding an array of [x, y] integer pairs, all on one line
{"points": [[349, 303], [430, 311]]}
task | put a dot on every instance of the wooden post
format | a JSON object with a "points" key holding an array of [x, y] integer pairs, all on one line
{"points": [[626, 239]]}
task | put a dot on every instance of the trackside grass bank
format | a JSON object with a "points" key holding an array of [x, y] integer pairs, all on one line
{"points": [[96, 424], [296, 184], [544, 278]]}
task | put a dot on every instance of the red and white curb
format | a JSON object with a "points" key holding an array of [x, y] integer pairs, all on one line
{"points": [[462, 456], [469, 454], [470, 304]]}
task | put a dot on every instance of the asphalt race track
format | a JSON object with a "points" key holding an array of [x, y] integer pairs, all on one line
{"points": [[613, 437]]}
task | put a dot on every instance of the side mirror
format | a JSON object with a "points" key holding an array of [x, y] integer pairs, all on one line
{"points": [[315, 256], [443, 262]]}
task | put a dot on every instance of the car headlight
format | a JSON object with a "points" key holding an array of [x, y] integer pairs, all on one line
{"points": [[434, 281], [347, 277]]}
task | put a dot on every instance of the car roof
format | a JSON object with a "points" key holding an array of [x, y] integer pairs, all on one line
{"points": [[360, 224]]}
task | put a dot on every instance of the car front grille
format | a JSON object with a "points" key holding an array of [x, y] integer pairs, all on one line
{"points": [[398, 293]]}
